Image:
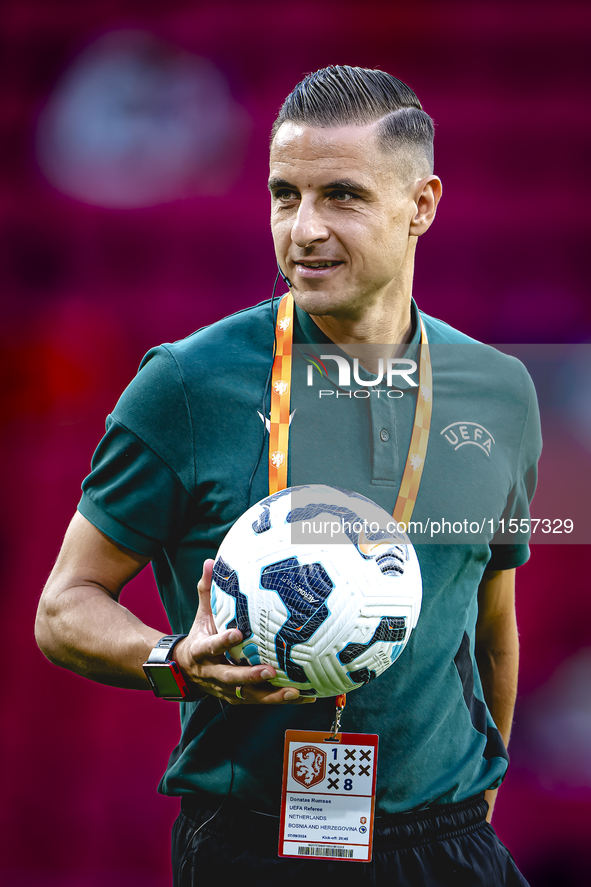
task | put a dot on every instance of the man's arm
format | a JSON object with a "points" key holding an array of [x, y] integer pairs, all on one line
{"points": [[82, 626], [497, 652]]}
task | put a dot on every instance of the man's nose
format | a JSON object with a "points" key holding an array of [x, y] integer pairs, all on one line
{"points": [[308, 227]]}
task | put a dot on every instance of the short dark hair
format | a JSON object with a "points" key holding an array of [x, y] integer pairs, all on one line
{"points": [[341, 95]]}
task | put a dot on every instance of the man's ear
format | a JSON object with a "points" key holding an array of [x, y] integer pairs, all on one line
{"points": [[427, 194]]}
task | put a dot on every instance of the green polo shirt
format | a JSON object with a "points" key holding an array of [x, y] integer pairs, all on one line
{"points": [[184, 455]]}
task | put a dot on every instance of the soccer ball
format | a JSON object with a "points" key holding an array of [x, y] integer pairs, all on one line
{"points": [[322, 586]]}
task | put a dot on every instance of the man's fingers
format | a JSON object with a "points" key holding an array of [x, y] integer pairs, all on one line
{"points": [[267, 694], [205, 581], [204, 588], [204, 620], [216, 644], [237, 675], [206, 648]]}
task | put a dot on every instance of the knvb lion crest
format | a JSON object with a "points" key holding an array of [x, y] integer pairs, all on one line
{"points": [[277, 459], [425, 393], [415, 461], [284, 323], [308, 766], [280, 387]]}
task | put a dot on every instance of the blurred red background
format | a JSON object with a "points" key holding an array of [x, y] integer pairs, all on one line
{"points": [[89, 284]]}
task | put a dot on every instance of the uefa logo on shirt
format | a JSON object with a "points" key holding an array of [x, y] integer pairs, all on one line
{"points": [[460, 434]]}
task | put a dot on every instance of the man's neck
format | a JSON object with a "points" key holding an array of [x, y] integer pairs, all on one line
{"points": [[391, 326], [372, 336]]}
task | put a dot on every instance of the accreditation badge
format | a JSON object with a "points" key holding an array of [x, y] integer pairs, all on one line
{"points": [[328, 797]]}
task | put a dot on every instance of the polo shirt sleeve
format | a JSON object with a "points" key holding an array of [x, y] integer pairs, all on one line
{"points": [[141, 483], [509, 550]]}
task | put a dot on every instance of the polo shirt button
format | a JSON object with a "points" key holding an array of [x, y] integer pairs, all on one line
{"points": [[385, 434]]}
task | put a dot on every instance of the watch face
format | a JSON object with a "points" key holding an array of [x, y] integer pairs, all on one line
{"points": [[162, 679]]}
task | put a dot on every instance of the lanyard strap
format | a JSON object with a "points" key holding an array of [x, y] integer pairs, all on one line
{"points": [[280, 396], [280, 403], [417, 451]]}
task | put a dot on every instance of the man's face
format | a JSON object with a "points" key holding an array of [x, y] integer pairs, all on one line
{"points": [[341, 210]]}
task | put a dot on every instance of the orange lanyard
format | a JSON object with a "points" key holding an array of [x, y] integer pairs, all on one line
{"points": [[280, 397], [280, 403]]}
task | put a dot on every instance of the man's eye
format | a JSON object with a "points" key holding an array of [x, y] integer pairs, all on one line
{"points": [[286, 194], [342, 196]]}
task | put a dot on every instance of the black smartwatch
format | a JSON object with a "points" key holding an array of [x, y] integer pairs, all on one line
{"points": [[163, 673]]}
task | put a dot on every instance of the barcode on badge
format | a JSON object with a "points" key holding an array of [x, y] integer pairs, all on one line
{"points": [[343, 852]]}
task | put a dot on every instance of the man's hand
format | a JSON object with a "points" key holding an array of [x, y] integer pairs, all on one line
{"points": [[201, 658]]}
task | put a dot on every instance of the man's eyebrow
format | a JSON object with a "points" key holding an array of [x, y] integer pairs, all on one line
{"points": [[337, 185], [346, 185], [276, 183]]}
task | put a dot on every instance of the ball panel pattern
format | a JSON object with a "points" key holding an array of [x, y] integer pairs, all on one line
{"points": [[391, 629], [303, 589], [328, 614], [226, 579]]}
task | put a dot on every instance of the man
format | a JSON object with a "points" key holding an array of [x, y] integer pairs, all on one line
{"points": [[352, 189]]}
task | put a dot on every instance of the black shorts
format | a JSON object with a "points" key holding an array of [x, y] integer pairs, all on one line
{"points": [[444, 846]]}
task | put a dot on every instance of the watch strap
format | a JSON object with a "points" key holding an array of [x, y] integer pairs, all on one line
{"points": [[162, 651], [163, 673]]}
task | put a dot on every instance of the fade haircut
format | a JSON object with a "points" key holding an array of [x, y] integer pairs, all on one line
{"points": [[341, 95]]}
